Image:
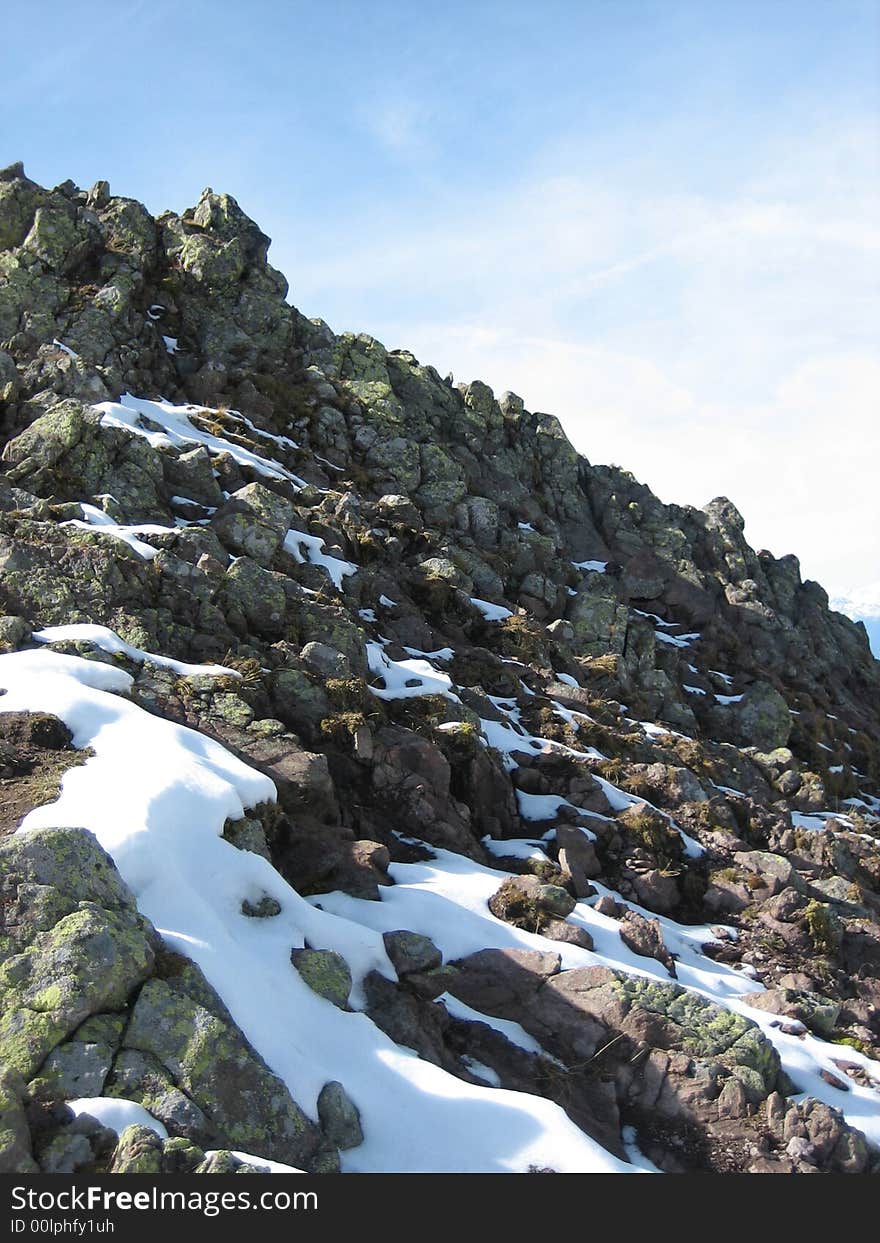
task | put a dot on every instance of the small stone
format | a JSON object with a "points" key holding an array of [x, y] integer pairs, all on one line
{"points": [[139, 1151], [851, 1153], [339, 1116], [410, 952], [430, 984], [326, 661], [266, 908], [580, 861], [833, 1081], [775, 1112], [555, 900], [644, 936], [814, 1010], [733, 1102], [180, 1156], [246, 834], [570, 934], [13, 632], [609, 907], [658, 890], [326, 973]]}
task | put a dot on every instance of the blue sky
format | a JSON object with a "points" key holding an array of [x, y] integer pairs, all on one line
{"points": [[655, 218]]}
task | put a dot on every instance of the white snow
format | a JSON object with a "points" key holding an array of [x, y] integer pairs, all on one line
{"points": [[567, 680], [187, 500], [653, 730], [64, 348], [511, 1031], [447, 899], [284, 441], [161, 822], [725, 677], [513, 848], [629, 1137], [482, 1072], [681, 640], [818, 819], [109, 641], [620, 800], [510, 736], [547, 806], [570, 715], [173, 428], [96, 520], [491, 612], [117, 1113], [296, 541], [406, 679], [171, 346], [270, 1167], [658, 621], [868, 802], [442, 653]]}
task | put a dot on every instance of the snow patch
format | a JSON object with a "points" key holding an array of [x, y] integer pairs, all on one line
{"points": [[491, 612], [109, 641], [296, 541], [116, 1113], [166, 426], [406, 679]]}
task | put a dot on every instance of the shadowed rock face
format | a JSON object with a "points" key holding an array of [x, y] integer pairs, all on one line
{"points": [[436, 523]]}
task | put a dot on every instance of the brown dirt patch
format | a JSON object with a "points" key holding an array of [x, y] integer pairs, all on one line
{"points": [[35, 753]]}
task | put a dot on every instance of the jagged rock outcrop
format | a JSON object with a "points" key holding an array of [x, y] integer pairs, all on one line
{"points": [[443, 629]]}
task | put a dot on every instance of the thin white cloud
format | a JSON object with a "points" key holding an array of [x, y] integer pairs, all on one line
{"points": [[710, 343], [400, 125], [860, 602], [798, 465]]}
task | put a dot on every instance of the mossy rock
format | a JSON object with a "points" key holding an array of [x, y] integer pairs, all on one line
{"points": [[138, 1151], [326, 973], [15, 1139], [73, 941], [211, 1062]]}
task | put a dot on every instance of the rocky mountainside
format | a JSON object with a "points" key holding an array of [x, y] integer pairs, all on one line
{"points": [[385, 786]]}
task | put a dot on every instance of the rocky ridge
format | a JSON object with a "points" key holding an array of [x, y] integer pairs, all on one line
{"points": [[440, 632]]}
